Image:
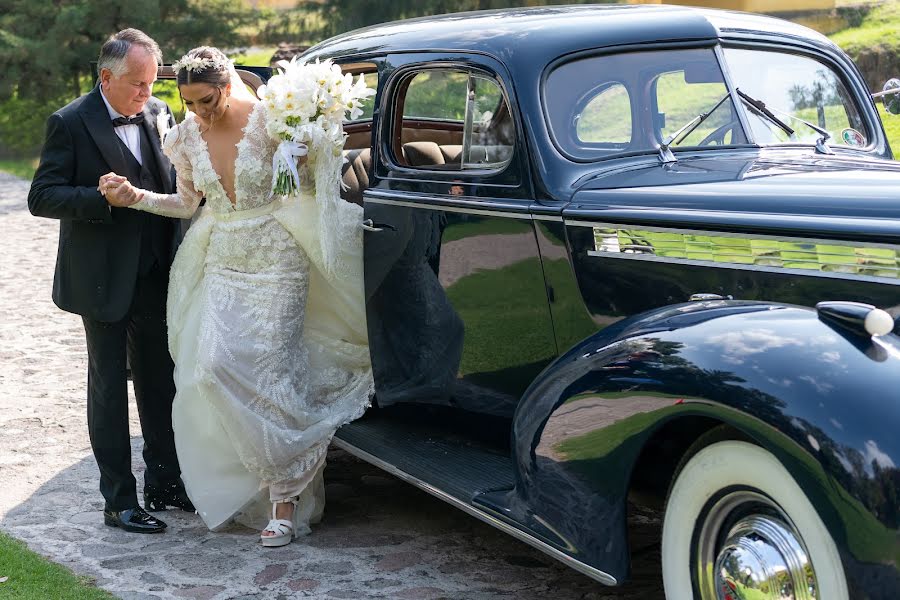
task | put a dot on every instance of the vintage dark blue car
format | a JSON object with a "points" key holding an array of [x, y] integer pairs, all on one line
{"points": [[636, 255]]}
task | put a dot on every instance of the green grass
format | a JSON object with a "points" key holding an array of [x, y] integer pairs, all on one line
{"points": [[600, 443], [571, 320], [22, 167], [878, 28], [254, 57], [892, 129], [505, 312], [31, 576], [506, 317], [484, 226]]}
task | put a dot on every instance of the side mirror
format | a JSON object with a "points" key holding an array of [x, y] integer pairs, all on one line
{"points": [[890, 95]]}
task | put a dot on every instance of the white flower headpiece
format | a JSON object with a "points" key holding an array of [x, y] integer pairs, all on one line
{"points": [[198, 63]]}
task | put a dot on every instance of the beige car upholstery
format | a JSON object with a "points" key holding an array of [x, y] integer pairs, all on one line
{"points": [[355, 174]]}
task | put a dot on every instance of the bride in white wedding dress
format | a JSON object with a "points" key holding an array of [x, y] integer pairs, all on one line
{"points": [[270, 347]]}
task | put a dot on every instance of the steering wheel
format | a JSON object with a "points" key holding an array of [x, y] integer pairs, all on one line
{"points": [[717, 136]]}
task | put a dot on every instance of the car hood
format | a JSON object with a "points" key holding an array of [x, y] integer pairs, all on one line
{"points": [[827, 186]]}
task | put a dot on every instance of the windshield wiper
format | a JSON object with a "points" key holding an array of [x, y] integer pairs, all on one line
{"points": [[760, 108], [665, 155]]}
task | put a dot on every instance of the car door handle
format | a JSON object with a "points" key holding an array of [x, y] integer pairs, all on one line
{"points": [[369, 225], [704, 297]]}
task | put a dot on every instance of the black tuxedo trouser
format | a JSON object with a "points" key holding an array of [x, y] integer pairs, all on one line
{"points": [[143, 333]]}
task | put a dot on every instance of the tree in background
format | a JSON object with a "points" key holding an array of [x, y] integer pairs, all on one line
{"points": [[46, 48]]}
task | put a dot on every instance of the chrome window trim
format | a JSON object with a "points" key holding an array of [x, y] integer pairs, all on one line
{"points": [[409, 72], [735, 102], [455, 209]]}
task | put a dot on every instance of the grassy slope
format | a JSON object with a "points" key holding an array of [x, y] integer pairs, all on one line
{"points": [[892, 128], [31, 576], [881, 27], [255, 57]]}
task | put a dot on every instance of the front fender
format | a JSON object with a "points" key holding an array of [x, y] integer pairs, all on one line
{"points": [[825, 403]]}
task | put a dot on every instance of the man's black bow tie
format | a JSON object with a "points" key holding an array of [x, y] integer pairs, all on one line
{"points": [[135, 120]]}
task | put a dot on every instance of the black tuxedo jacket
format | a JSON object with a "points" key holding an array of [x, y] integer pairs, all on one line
{"points": [[99, 245]]}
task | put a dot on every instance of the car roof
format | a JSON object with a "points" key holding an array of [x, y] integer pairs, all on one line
{"points": [[528, 34]]}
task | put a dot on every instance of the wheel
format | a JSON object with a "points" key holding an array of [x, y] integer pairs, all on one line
{"points": [[718, 135], [737, 526]]}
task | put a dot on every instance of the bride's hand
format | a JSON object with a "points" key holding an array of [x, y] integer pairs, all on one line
{"points": [[107, 180], [121, 193]]}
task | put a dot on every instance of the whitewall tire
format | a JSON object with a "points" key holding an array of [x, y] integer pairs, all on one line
{"points": [[734, 509]]}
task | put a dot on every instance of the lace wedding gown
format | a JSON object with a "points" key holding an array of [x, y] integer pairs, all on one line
{"points": [[270, 351]]}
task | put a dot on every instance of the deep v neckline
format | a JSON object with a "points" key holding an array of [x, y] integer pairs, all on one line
{"points": [[245, 131]]}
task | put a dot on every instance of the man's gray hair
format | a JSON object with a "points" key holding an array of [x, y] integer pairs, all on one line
{"points": [[114, 52]]}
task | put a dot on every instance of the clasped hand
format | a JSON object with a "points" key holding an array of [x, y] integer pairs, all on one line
{"points": [[118, 191]]}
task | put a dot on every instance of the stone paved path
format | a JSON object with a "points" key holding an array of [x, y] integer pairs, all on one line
{"points": [[380, 538]]}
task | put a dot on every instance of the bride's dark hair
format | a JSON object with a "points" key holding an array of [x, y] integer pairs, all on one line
{"points": [[215, 72]]}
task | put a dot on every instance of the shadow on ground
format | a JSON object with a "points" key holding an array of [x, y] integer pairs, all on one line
{"points": [[380, 538]]}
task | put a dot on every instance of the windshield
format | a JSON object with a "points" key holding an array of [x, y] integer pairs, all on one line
{"points": [[800, 87], [662, 101]]}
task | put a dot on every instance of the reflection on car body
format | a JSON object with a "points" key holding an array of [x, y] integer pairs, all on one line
{"points": [[545, 190]]}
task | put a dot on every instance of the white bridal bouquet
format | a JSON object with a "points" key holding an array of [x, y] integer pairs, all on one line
{"points": [[307, 104]]}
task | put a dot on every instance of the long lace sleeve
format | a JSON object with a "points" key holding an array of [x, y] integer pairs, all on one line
{"points": [[184, 202]]}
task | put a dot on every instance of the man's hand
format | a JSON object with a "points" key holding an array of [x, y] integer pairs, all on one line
{"points": [[118, 191]]}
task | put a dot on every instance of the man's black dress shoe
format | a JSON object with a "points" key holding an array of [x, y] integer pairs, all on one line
{"points": [[172, 494], [135, 520]]}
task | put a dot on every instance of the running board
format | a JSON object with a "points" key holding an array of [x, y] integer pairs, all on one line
{"points": [[353, 438]]}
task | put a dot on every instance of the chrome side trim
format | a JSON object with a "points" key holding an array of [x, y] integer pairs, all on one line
{"points": [[554, 218], [588, 570], [456, 209], [710, 232], [739, 267], [761, 253], [671, 221]]}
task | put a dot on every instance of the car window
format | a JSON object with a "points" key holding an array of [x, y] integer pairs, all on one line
{"points": [[371, 79], [437, 94], [606, 117], [453, 120], [631, 102], [791, 85], [679, 100]]}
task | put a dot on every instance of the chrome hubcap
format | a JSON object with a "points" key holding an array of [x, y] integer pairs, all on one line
{"points": [[748, 550]]}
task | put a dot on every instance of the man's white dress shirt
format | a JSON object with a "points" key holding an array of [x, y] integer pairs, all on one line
{"points": [[127, 133]]}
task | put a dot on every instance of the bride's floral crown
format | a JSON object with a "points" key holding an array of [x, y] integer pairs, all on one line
{"points": [[197, 64]]}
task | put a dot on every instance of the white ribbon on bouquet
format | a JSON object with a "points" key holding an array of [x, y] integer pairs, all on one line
{"points": [[285, 159]]}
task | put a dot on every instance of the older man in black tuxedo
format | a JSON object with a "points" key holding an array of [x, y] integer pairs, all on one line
{"points": [[112, 269]]}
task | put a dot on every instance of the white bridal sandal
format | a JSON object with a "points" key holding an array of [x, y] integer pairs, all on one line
{"points": [[282, 529]]}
